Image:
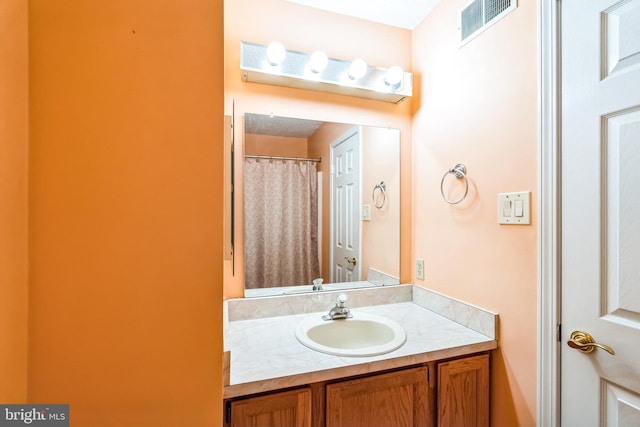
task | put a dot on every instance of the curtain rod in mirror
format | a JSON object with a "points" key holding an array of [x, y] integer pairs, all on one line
{"points": [[298, 159]]}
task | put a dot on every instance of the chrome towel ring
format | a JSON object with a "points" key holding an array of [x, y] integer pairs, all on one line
{"points": [[382, 187], [460, 171]]}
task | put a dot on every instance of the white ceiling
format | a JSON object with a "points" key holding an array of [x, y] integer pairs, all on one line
{"points": [[398, 13]]}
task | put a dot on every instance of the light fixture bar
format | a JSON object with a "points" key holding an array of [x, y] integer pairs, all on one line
{"points": [[294, 71]]}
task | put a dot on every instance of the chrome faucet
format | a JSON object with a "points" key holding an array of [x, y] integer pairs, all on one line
{"points": [[340, 311]]}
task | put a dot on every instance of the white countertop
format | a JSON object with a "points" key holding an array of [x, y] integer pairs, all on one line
{"points": [[265, 354]]}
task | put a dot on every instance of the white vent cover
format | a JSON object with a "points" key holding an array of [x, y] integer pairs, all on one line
{"points": [[478, 15]]}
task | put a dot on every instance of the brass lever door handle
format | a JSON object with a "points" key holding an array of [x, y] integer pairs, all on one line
{"points": [[351, 261], [585, 343]]}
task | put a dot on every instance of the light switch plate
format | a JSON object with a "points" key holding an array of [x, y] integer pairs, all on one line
{"points": [[366, 212], [514, 208]]}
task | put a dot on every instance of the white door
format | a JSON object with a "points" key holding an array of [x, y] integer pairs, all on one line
{"points": [[600, 212], [345, 208]]}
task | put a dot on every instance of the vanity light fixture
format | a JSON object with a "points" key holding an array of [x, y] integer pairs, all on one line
{"points": [[275, 65]]}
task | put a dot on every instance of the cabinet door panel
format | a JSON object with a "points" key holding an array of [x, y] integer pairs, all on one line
{"points": [[463, 392], [398, 399], [286, 409]]}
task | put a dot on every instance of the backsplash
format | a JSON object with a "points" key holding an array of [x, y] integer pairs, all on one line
{"points": [[478, 319], [381, 278], [475, 318], [285, 305]]}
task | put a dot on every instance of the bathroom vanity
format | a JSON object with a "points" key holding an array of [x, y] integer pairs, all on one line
{"points": [[438, 377]]}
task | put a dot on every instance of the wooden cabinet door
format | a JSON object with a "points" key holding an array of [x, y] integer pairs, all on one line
{"points": [[397, 399], [285, 409], [463, 392]]}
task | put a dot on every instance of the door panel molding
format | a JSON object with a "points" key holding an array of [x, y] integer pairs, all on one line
{"points": [[621, 406], [620, 42], [620, 207]]}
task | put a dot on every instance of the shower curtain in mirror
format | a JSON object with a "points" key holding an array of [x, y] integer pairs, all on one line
{"points": [[280, 223]]}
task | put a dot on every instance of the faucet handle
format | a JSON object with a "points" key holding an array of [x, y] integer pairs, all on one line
{"points": [[341, 300]]}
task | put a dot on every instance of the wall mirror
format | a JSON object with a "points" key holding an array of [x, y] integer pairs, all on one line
{"points": [[321, 201]]}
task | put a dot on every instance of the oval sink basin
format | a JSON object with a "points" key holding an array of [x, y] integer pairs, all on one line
{"points": [[362, 335]]}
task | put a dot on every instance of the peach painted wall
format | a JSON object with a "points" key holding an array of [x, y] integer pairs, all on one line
{"points": [[380, 242], [267, 145], [14, 143], [306, 29], [126, 132], [478, 105]]}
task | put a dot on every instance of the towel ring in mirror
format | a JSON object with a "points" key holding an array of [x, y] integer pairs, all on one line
{"points": [[382, 187]]}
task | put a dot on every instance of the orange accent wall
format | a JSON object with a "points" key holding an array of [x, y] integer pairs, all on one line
{"points": [[306, 29], [14, 142], [477, 105], [126, 143]]}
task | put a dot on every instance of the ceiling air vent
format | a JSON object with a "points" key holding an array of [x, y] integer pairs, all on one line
{"points": [[478, 15]]}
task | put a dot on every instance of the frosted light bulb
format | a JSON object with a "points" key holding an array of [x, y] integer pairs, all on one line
{"points": [[394, 76], [276, 53], [319, 61], [357, 69]]}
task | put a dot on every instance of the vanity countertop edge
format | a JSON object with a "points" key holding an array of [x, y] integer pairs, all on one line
{"points": [[265, 355]]}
